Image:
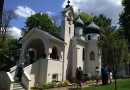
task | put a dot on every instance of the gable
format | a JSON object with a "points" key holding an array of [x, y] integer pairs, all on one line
{"points": [[35, 32]]}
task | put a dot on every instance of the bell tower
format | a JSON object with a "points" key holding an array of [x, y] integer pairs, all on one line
{"points": [[67, 26]]}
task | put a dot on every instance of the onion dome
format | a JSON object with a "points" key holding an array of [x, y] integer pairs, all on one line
{"points": [[92, 28], [78, 22]]}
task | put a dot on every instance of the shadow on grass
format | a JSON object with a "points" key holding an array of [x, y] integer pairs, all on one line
{"points": [[72, 89]]}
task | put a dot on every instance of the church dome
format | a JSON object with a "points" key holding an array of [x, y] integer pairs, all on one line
{"points": [[78, 22], [92, 28]]}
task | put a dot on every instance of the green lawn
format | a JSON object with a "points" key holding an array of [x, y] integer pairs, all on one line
{"points": [[121, 85]]}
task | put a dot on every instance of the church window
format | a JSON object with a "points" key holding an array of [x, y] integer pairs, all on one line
{"points": [[69, 30], [69, 18], [92, 55], [83, 54], [54, 54], [54, 77], [89, 37]]}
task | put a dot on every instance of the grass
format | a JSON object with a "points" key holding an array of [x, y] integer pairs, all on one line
{"points": [[121, 85]]}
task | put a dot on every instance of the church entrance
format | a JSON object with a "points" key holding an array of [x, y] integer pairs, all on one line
{"points": [[35, 50]]}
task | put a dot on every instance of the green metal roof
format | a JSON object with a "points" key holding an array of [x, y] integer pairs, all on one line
{"points": [[92, 28], [78, 22]]}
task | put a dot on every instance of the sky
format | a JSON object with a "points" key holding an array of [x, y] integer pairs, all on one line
{"points": [[25, 8]]}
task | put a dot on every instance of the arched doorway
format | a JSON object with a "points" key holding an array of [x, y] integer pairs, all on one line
{"points": [[35, 49]]}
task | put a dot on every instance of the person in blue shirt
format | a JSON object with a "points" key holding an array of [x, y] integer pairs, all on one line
{"points": [[104, 74]]}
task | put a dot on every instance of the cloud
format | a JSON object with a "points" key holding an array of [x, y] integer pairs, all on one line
{"points": [[15, 32], [110, 8], [50, 13], [24, 11]]}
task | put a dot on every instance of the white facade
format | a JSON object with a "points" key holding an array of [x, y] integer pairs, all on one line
{"points": [[72, 51], [56, 59]]}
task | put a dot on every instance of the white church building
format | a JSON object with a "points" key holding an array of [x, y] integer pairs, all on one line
{"points": [[56, 59]]}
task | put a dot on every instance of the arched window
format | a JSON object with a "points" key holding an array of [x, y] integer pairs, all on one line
{"points": [[54, 54], [92, 55], [83, 54], [89, 37], [69, 18], [69, 30]]}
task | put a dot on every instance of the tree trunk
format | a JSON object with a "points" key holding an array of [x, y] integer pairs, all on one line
{"points": [[115, 82]]}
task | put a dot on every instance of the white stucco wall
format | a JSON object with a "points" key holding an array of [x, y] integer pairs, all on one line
{"points": [[92, 36], [77, 55], [78, 31], [91, 64], [54, 67], [33, 71]]}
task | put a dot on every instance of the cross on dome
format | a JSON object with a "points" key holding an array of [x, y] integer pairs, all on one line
{"points": [[68, 4]]}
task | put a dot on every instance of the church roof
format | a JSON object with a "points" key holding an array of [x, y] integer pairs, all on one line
{"points": [[78, 22], [42, 33], [92, 28]]}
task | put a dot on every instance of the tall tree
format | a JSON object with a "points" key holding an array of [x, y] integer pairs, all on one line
{"points": [[7, 16], [7, 43], [43, 22], [125, 18], [113, 48]]}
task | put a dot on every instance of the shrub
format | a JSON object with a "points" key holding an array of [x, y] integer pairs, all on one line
{"points": [[66, 82], [60, 84], [93, 78], [45, 85], [52, 84], [36, 86]]}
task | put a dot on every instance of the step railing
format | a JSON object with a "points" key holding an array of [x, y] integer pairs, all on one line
{"points": [[28, 77], [6, 80]]}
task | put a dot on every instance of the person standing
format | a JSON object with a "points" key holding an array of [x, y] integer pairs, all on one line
{"points": [[104, 75], [110, 74]]}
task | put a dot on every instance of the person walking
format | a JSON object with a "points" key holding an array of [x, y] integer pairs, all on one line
{"points": [[97, 71], [79, 75], [20, 72]]}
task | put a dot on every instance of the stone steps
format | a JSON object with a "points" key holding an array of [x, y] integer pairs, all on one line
{"points": [[18, 86]]}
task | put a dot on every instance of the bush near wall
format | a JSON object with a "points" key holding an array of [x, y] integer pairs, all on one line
{"points": [[50, 85]]}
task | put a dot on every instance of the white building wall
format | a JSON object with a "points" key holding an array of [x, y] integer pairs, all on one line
{"points": [[54, 67], [78, 31], [67, 32], [92, 36], [77, 55], [91, 64]]}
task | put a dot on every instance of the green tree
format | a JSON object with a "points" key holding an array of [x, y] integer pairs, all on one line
{"points": [[7, 43], [114, 49], [87, 18], [43, 22], [125, 18]]}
